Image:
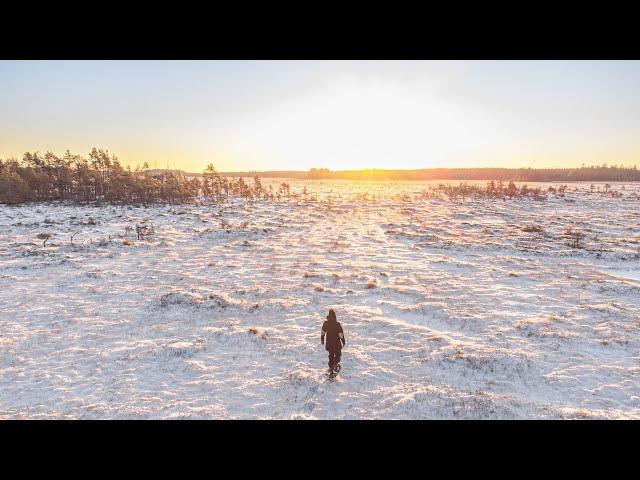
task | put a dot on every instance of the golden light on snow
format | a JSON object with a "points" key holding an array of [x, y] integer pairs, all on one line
{"points": [[217, 314]]}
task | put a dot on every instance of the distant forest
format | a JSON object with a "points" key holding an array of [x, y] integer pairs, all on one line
{"points": [[602, 173], [101, 177]]}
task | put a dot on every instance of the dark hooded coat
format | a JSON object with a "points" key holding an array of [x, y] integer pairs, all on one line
{"points": [[329, 335]]}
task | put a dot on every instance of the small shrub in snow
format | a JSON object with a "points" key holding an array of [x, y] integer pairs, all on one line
{"points": [[575, 237], [143, 229], [258, 332], [45, 237], [371, 284], [218, 301], [179, 298], [73, 234], [182, 349]]}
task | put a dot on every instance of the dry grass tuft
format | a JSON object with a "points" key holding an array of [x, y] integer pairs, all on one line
{"points": [[258, 332]]}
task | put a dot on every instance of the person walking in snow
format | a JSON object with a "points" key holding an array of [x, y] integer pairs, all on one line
{"points": [[332, 330]]}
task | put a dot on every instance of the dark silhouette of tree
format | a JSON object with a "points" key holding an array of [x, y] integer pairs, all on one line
{"points": [[100, 178]]}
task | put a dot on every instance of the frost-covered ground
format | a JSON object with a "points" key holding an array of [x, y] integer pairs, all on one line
{"points": [[467, 314]]}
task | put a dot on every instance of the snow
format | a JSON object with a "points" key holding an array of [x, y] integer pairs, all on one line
{"points": [[626, 274], [450, 309]]}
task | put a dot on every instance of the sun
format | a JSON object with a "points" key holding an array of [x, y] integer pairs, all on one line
{"points": [[353, 126]]}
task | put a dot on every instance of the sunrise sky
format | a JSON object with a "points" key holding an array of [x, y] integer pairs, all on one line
{"points": [[294, 115]]}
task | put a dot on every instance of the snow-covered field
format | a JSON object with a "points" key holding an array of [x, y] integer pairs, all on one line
{"points": [[467, 315]]}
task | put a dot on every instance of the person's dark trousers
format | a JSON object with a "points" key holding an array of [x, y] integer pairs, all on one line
{"points": [[334, 359]]}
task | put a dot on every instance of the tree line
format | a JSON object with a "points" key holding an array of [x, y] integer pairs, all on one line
{"points": [[594, 173], [102, 178]]}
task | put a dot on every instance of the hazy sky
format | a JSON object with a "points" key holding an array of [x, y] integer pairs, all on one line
{"points": [[290, 115]]}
